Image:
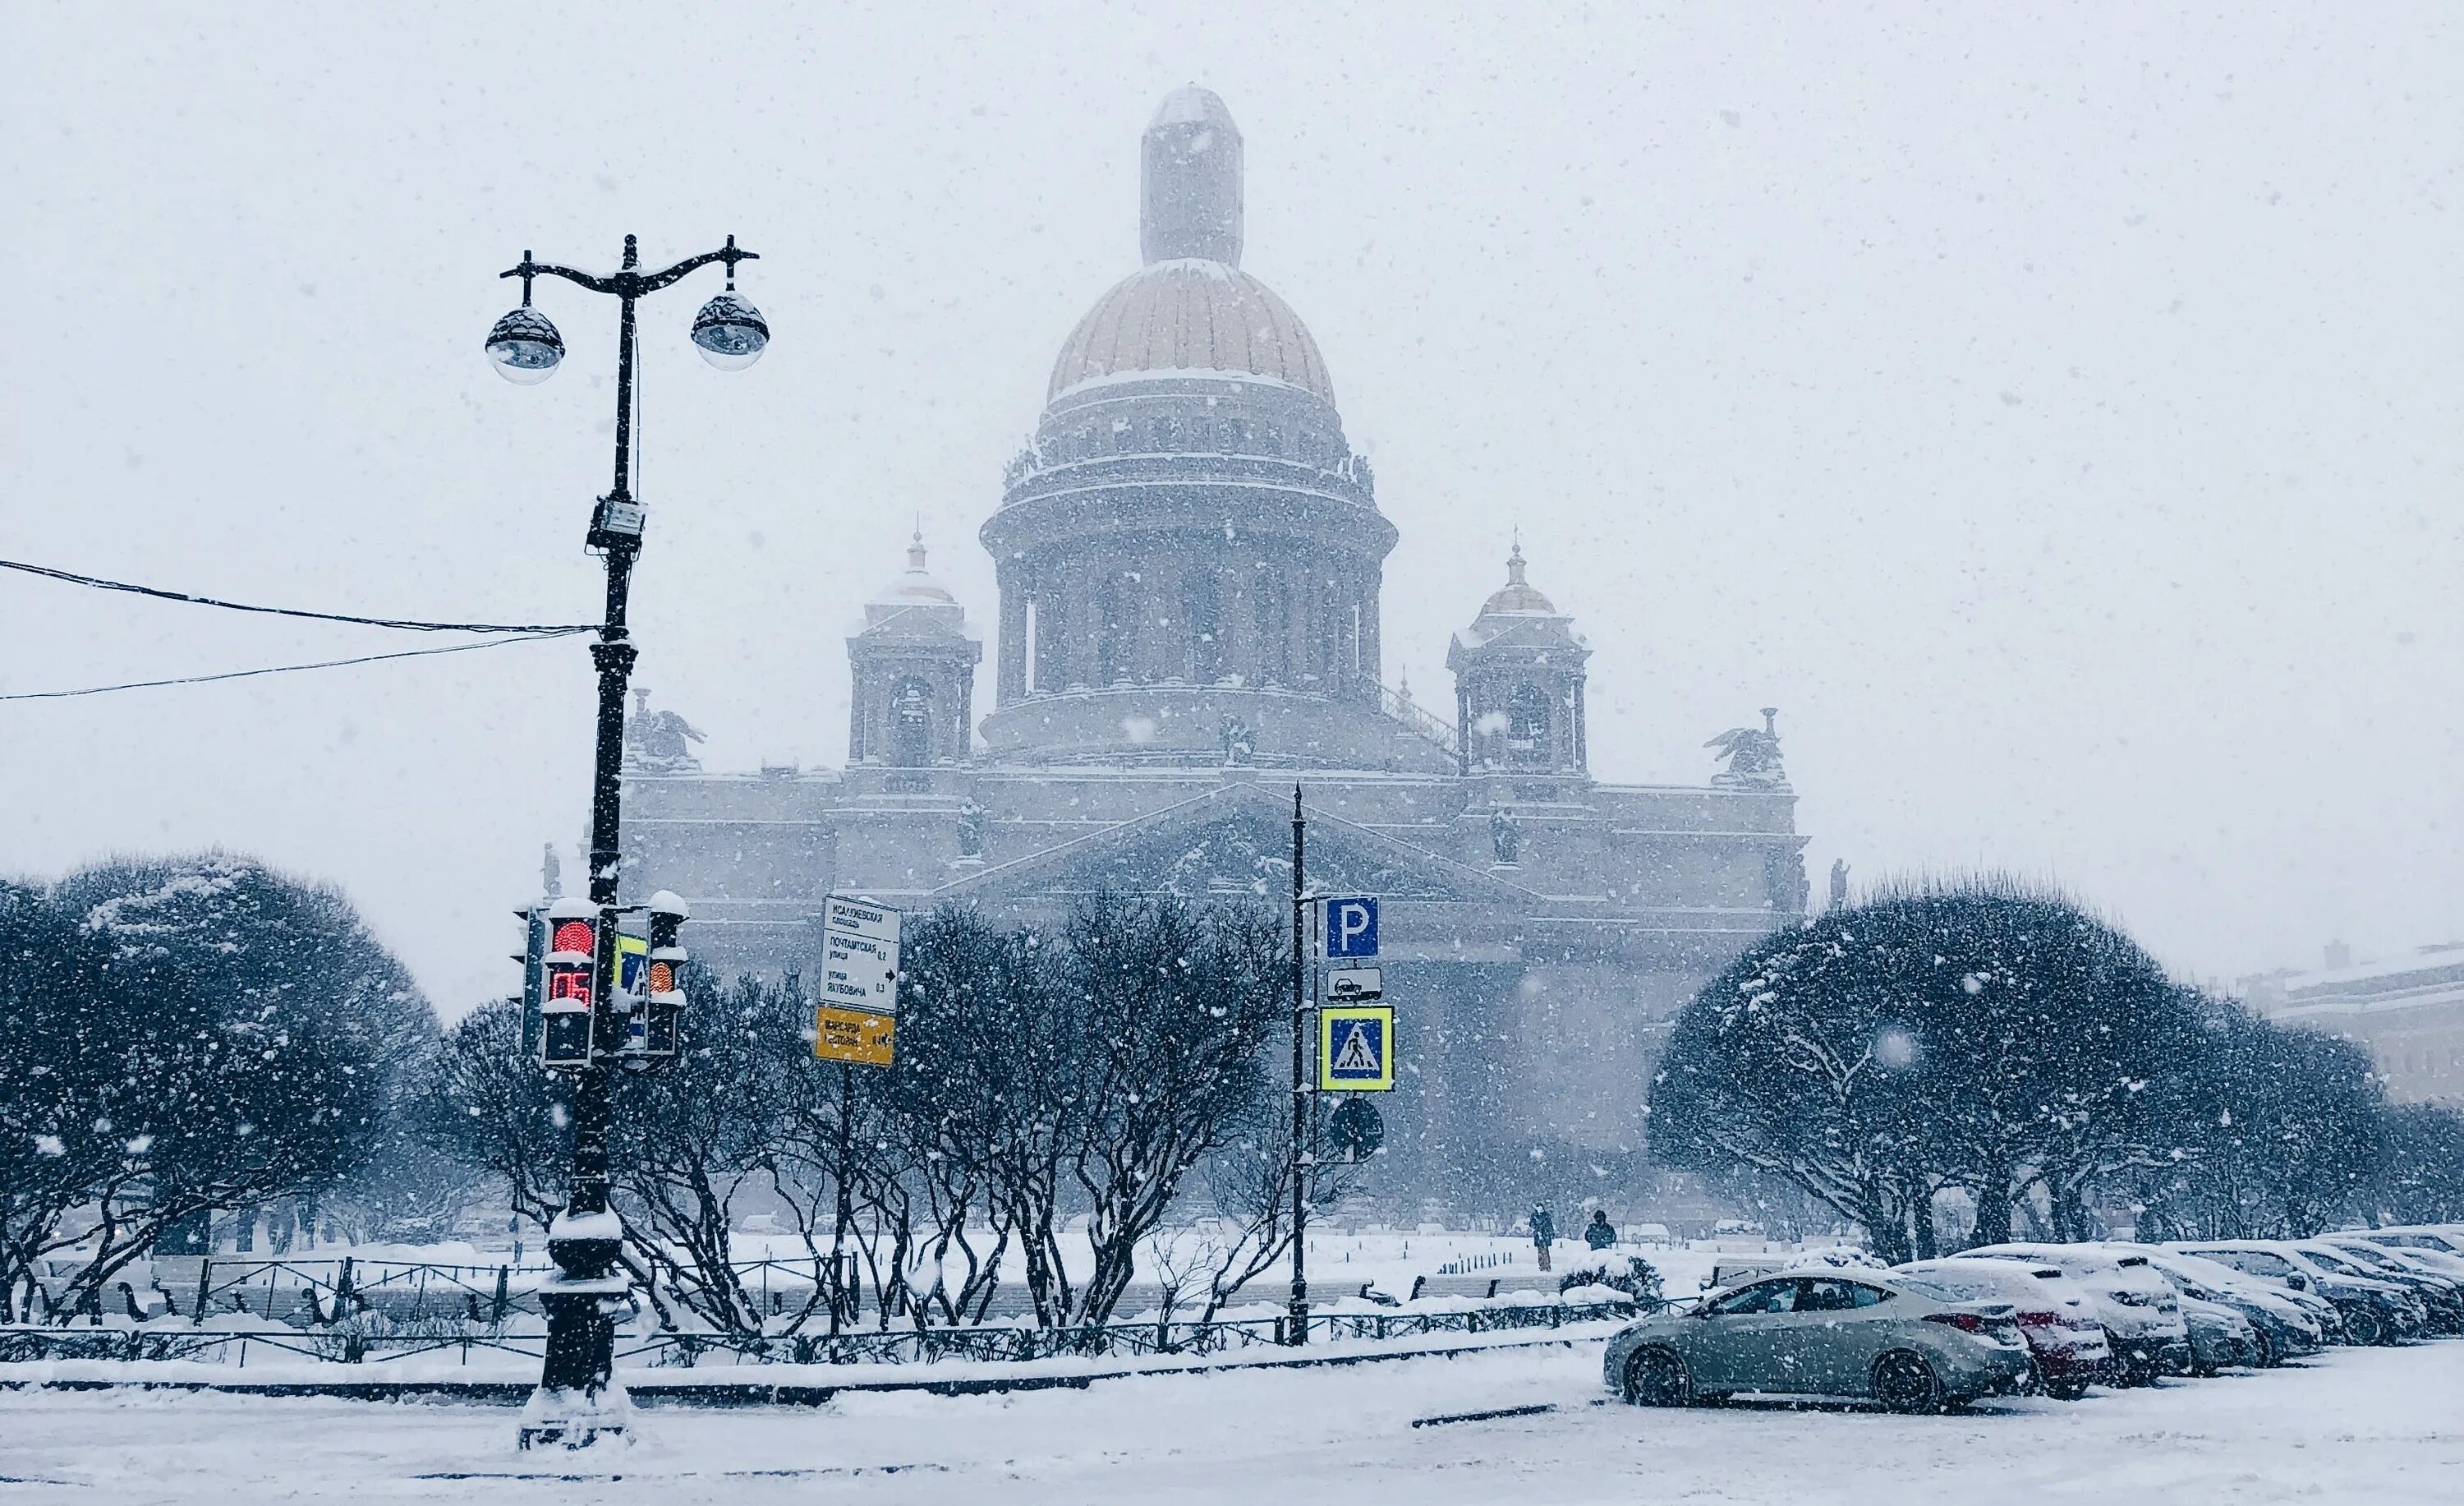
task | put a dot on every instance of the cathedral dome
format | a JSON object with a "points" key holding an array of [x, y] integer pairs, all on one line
{"points": [[1188, 316], [1191, 311]]}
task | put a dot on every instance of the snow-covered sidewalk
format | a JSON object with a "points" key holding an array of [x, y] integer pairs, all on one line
{"points": [[2361, 1425]]}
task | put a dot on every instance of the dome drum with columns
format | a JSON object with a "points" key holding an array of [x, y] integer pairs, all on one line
{"points": [[1190, 542], [1190, 561]]}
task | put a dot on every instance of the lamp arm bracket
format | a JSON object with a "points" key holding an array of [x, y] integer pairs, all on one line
{"points": [[652, 283], [548, 269], [630, 283]]}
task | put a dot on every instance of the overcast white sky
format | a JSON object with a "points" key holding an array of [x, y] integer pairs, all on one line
{"points": [[2053, 410]]}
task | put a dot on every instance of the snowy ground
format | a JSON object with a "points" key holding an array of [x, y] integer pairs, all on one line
{"points": [[2375, 1426]]}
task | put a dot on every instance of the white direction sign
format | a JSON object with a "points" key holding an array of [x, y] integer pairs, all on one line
{"points": [[1354, 985], [859, 954]]}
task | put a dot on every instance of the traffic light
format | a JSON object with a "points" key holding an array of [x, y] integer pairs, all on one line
{"points": [[533, 957], [663, 994], [568, 978]]}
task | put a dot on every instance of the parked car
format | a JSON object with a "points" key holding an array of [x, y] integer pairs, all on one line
{"points": [[2441, 1295], [2221, 1338], [1822, 1332], [2282, 1326], [2065, 1336], [2448, 1238], [2373, 1312], [2141, 1311]]}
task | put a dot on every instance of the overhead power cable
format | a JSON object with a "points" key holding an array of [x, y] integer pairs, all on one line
{"points": [[528, 635], [406, 624]]}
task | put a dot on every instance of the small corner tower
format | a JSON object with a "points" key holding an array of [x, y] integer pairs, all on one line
{"points": [[914, 673], [1519, 684]]}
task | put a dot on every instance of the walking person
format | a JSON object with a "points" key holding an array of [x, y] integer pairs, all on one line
{"points": [[1544, 1231], [1600, 1234]]}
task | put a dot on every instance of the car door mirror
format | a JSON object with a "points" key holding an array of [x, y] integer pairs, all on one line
{"points": [[2297, 1281]]}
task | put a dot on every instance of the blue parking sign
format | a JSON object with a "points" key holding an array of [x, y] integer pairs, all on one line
{"points": [[1351, 928]]}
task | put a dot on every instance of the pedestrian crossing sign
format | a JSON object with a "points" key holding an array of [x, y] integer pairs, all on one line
{"points": [[1355, 1048]]}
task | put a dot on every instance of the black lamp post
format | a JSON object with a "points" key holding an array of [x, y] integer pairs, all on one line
{"points": [[576, 1402]]}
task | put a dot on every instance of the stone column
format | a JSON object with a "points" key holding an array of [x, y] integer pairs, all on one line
{"points": [[1235, 621], [963, 751], [1372, 667], [1009, 676], [1075, 621], [1300, 585], [1162, 644]]}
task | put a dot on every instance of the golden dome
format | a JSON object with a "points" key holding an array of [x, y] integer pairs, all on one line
{"points": [[1190, 317]]}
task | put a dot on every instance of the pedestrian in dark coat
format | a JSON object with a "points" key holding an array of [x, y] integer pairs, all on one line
{"points": [[1544, 1231], [1600, 1234]]}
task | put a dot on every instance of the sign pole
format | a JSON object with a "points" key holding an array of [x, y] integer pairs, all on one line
{"points": [[1299, 1334]]}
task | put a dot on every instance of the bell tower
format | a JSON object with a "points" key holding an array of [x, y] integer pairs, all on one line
{"points": [[1519, 684], [913, 674]]}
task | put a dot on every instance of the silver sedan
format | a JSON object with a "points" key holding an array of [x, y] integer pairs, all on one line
{"points": [[1830, 1334]]}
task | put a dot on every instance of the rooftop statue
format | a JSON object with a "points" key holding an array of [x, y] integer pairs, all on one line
{"points": [[1752, 756], [658, 741]]}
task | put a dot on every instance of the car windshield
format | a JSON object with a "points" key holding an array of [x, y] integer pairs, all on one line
{"points": [[1950, 1288], [2350, 1268], [2438, 1242], [2259, 1262], [2199, 1268]]}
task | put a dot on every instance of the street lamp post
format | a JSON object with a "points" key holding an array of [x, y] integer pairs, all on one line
{"points": [[1297, 1329], [576, 1402]]}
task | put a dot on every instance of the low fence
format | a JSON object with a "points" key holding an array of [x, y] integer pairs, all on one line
{"points": [[308, 1291], [359, 1342]]}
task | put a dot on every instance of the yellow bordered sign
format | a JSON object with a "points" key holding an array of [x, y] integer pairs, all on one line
{"points": [[853, 1035], [1355, 1048]]}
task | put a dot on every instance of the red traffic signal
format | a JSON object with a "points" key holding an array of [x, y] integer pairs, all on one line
{"points": [[570, 984]]}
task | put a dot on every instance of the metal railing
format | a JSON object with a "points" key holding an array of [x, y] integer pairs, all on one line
{"points": [[358, 1341], [1400, 706]]}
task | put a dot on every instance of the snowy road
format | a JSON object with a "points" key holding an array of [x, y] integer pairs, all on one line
{"points": [[2376, 1426]]}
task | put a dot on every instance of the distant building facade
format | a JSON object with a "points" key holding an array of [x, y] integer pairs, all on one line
{"points": [[2409, 1010], [1190, 560]]}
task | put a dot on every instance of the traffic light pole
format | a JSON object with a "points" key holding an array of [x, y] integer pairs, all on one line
{"points": [[578, 1401], [1299, 1326]]}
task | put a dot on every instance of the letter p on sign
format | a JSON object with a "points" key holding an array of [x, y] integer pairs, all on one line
{"points": [[1351, 928]]}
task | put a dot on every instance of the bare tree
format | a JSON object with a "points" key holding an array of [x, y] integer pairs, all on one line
{"points": [[1175, 1005]]}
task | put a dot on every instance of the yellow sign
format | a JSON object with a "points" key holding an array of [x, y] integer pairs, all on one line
{"points": [[1355, 1048], [632, 953], [869, 1040]]}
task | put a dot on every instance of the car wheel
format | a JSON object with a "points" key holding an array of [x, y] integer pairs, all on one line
{"points": [[2269, 1356], [1905, 1381], [2364, 1326], [2069, 1388], [1655, 1377]]}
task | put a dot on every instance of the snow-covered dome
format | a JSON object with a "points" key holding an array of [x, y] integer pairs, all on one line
{"points": [[1188, 316], [1517, 597], [916, 586], [1191, 310]]}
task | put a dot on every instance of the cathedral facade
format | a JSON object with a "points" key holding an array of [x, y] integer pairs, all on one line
{"points": [[1190, 559]]}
